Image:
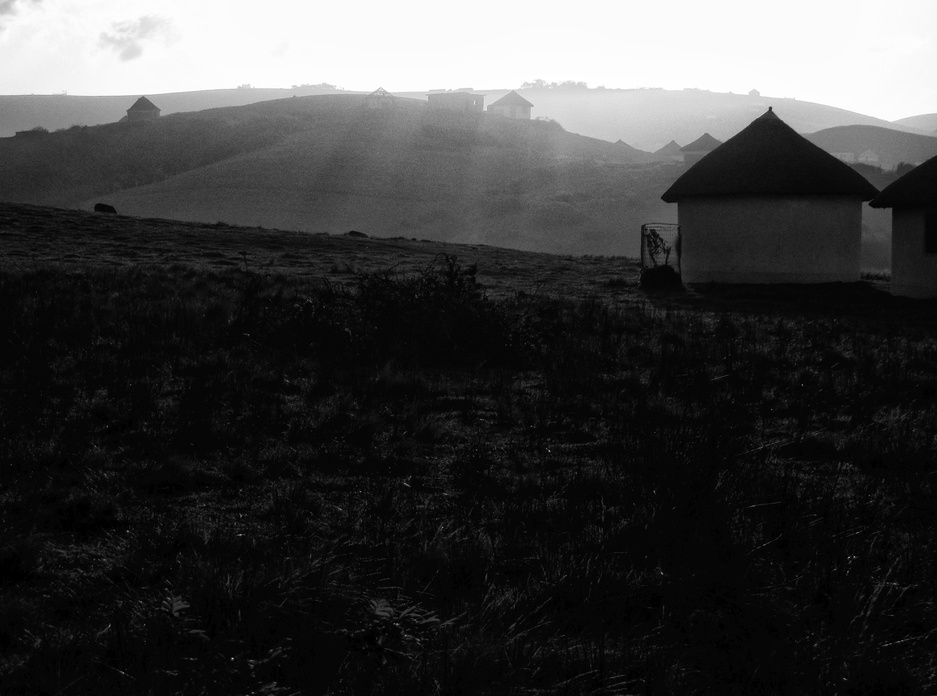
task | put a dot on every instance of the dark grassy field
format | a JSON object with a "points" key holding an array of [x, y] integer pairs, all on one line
{"points": [[238, 461]]}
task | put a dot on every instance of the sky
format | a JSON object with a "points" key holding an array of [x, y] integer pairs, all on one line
{"points": [[874, 57]]}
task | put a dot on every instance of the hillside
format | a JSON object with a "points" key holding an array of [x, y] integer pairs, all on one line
{"points": [[58, 111], [925, 122], [328, 163], [889, 146], [645, 118], [650, 118]]}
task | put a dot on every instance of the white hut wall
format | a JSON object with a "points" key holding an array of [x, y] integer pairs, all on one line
{"points": [[770, 239], [913, 267]]}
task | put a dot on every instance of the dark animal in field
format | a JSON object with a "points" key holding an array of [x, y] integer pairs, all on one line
{"points": [[105, 208], [356, 233]]}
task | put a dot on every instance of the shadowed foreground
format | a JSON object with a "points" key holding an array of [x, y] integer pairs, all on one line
{"points": [[249, 480]]}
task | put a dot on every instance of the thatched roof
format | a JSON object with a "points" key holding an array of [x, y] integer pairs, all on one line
{"points": [[512, 98], [671, 149], [143, 104], [916, 188], [769, 157], [704, 143]]}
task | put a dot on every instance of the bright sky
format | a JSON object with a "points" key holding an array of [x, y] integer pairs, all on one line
{"points": [[874, 57]]}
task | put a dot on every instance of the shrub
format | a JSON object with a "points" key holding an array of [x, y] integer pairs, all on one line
{"points": [[660, 278]]}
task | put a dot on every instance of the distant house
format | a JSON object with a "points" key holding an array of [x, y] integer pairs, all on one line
{"points": [[457, 101], [769, 206], [868, 157], [913, 200], [380, 99], [35, 132], [754, 93], [142, 110], [512, 105], [699, 148]]}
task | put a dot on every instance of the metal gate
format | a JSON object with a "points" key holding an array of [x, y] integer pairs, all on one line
{"points": [[660, 250]]}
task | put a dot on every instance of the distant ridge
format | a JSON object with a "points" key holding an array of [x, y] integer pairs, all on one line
{"points": [[53, 112], [648, 119], [890, 147], [924, 122]]}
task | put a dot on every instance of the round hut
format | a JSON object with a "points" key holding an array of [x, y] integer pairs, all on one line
{"points": [[142, 110], [698, 149], [769, 206], [913, 200]]}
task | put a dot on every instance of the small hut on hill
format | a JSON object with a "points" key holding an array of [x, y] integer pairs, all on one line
{"points": [[769, 206], [698, 149], [380, 99], [142, 110], [512, 105], [913, 200], [671, 152]]}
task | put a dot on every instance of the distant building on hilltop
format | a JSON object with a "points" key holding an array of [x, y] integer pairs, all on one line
{"points": [[457, 101], [769, 206], [36, 132], [512, 105], [913, 200], [699, 148], [142, 110], [380, 99]]}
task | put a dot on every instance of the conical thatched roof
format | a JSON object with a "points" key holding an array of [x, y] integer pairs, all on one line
{"points": [[671, 149], [769, 157], [704, 143], [916, 188], [143, 104], [512, 98]]}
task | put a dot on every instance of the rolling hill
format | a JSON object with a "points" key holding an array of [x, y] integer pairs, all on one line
{"points": [[925, 122], [328, 163], [57, 111], [645, 118], [891, 147], [650, 118]]}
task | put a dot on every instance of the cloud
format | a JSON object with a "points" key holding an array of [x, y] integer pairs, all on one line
{"points": [[128, 38], [8, 8]]}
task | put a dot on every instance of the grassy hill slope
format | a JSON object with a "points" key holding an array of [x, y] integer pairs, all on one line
{"points": [[328, 163]]}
